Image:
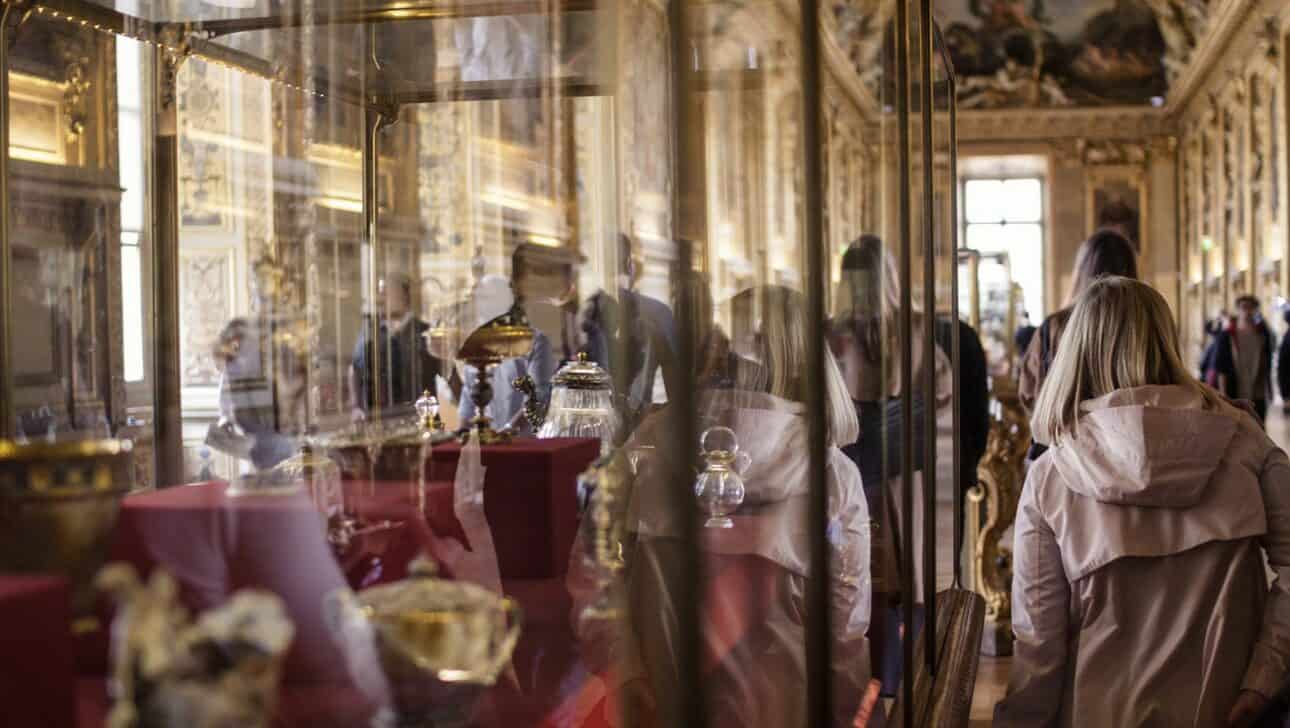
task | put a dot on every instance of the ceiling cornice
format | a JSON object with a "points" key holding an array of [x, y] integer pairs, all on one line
{"points": [[1223, 24], [1025, 125]]}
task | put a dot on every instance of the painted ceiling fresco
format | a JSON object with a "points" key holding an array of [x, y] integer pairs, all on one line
{"points": [[1055, 53]]}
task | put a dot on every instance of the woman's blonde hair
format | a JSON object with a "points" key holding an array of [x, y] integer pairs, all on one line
{"points": [[781, 350], [1120, 335]]}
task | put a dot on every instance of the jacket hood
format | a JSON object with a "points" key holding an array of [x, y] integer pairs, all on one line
{"points": [[1151, 472], [1153, 446]]}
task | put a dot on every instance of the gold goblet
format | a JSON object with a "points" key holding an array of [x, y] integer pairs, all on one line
{"points": [[506, 337]]}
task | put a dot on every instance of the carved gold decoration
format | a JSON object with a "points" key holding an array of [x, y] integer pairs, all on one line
{"points": [[607, 483], [1181, 23], [993, 504], [76, 86]]}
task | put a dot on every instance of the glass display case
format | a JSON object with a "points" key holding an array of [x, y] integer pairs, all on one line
{"points": [[333, 252]]}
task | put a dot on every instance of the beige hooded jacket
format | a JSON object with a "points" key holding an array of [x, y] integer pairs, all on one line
{"points": [[1139, 592], [753, 655]]}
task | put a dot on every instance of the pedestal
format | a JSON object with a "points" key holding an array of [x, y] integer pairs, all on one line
{"points": [[530, 499]]}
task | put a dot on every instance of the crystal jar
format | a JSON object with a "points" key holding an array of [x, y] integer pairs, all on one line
{"points": [[720, 487], [582, 404]]}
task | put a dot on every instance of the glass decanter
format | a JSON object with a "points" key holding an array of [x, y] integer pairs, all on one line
{"points": [[720, 487]]}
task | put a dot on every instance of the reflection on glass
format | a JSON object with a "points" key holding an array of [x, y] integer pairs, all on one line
{"points": [[372, 218]]}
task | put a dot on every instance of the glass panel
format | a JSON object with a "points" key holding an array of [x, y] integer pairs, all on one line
{"points": [[427, 270]]}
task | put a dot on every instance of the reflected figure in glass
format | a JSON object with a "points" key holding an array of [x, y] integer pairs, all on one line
{"points": [[247, 426], [631, 335], [864, 336], [408, 366], [757, 568]]}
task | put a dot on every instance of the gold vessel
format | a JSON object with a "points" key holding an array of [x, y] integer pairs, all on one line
{"points": [[58, 505], [430, 637], [506, 337]]}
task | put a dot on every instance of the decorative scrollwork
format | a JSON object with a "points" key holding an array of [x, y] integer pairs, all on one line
{"points": [[76, 61]]}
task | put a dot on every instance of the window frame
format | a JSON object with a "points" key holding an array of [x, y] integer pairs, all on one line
{"points": [[1042, 223], [138, 392]]}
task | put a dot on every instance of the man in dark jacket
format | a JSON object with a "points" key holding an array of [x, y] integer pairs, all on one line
{"points": [[1243, 357], [974, 395], [407, 366]]}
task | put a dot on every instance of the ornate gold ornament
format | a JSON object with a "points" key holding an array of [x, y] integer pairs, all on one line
{"points": [[993, 505]]}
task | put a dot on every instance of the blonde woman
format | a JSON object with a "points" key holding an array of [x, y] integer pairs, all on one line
{"points": [[1139, 591], [757, 570]]}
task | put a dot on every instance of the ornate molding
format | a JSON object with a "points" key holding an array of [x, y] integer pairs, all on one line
{"points": [[1103, 152], [1042, 125], [1269, 37]]}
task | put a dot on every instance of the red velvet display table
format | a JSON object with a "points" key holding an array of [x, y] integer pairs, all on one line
{"points": [[214, 545], [37, 673]]}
